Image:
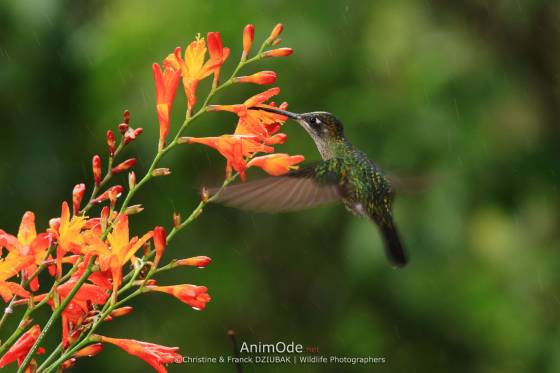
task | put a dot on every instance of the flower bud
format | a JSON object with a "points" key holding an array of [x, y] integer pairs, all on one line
{"points": [[134, 209], [204, 195], [111, 142], [96, 164], [280, 52], [122, 311], [263, 77], [176, 220], [132, 134], [276, 31], [197, 261], [90, 350], [104, 217], [161, 172], [77, 196], [248, 36], [276, 42], [126, 116], [123, 127], [123, 166], [54, 224], [110, 194], [131, 180], [160, 242]]}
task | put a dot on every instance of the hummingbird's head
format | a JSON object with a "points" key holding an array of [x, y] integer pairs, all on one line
{"points": [[324, 128]]}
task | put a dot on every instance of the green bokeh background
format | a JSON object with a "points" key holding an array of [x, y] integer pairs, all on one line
{"points": [[465, 94]]}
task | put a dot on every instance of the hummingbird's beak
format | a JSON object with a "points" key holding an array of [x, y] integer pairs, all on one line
{"points": [[285, 113]]}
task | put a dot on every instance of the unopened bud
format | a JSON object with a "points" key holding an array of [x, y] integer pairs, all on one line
{"points": [[276, 31], [204, 194], [123, 166], [133, 210], [123, 127], [122, 311], [132, 134], [176, 220], [276, 42], [131, 180], [280, 52], [248, 36], [111, 142], [77, 196], [161, 172], [96, 165], [126, 116], [263, 77], [160, 242], [197, 261], [90, 350]]}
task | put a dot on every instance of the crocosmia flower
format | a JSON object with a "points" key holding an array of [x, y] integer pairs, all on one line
{"points": [[167, 82], [154, 354], [276, 164], [193, 295], [19, 350]]}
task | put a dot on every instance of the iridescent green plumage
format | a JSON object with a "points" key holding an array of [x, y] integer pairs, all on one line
{"points": [[345, 174]]}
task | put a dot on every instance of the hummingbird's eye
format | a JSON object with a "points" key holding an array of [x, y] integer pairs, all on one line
{"points": [[315, 122]]}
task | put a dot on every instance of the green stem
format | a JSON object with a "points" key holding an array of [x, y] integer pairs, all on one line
{"points": [[56, 314]]}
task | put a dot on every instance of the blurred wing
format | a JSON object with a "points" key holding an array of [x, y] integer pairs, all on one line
{"points": [[294, 191]]}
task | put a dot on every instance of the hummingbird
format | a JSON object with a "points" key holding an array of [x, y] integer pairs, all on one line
{"points": [[345, 174]]}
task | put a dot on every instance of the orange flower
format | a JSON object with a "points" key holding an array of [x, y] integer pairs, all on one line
{"points": [[167, 82], [28, 245], [194, 68], [234, 148], [193, 295], [119, 250], [254, 122], [68, 235], [9, 267], [20, 349], [153, 354], [263, 77], [276, 164]]}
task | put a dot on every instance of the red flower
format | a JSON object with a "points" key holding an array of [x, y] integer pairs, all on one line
{"points": [[193, 295], [20, 349], [263, 77], [167, 82], [276, 164], [111, 194], [153, 354]]}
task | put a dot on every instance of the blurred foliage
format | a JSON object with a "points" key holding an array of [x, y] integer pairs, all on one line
{"points": [[465, 94]]}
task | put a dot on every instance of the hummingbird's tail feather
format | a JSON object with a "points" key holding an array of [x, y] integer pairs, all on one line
{"points": [[393, 246]]}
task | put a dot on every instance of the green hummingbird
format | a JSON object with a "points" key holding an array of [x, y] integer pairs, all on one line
{"points": [[345, 174]]}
